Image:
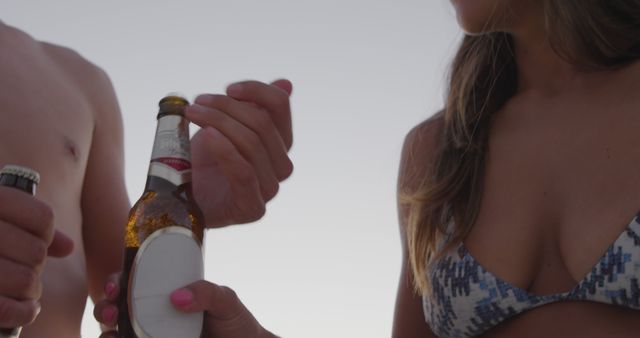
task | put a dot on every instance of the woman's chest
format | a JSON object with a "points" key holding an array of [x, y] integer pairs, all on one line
{"points": [[559, 189]]}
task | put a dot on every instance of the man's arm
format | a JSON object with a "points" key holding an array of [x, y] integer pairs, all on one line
{"points": [[105, 203]]}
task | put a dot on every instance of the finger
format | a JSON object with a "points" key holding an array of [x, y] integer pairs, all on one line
{"points": [[214, 156], [284, 84], [19, 281], [26, 212], [112, 287], [273, 98], [61, 245], [21, 246], [245, 140], [257, 120], [15, 313], [106, 313], [219, 302]]}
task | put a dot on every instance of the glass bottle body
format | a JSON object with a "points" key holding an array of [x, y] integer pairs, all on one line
{"points": [[162, 205], [165, 209]]}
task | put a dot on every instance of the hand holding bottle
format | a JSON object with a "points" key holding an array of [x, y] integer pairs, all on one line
{"points": [[28, 236], [225, 315], [239, 157]]}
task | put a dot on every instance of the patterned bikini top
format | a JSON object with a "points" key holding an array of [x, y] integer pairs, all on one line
{"points": [[466, 300]]}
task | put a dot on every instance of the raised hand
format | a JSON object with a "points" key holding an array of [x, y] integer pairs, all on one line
{"points": [[239, 157]]}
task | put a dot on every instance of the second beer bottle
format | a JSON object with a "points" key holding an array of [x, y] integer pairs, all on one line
{"points": [[163, 237]]}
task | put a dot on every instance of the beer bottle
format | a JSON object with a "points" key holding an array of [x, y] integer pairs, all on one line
{"points": [[163, 237], [26, 180]]}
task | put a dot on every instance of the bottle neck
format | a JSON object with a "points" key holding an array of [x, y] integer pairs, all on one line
{"points": [[171, 156]]}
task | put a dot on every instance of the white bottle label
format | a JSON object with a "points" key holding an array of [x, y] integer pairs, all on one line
{"points": [[167, 260]]}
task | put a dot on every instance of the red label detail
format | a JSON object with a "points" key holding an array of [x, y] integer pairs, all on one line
{"points": [[178, 164]]}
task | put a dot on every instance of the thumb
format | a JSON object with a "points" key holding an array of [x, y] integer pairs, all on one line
{"points": [[225, 316], [219, 302], [283, 84], [61, 245]]}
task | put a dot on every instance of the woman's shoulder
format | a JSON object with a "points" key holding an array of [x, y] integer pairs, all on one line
{"points": [[419, 149], [627, 77], [424, 135]]}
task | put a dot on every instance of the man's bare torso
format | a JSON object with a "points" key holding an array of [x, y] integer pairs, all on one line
{"points": [[47, 124]]}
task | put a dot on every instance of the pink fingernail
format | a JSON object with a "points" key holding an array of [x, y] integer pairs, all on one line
{"points": [[182, 298], [109, 315], [109, 289]]}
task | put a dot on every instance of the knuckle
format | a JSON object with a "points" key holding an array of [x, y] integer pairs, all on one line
{"points": [[28, 280], [7, 312], [249, 212], [288, 141], [244, 174], [262, 121], [44, 213], [286, 170], [271, 190], [32, 312], [258, 211], [280, 100], [219, 101], [250, 87], [36, 292], [204, 99], [236, 312], [37, 253], [44, 216], [226, 154], [228, 293], [253, 141]]}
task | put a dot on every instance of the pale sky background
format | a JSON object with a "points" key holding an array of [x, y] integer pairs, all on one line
{"points": [[324, 261]]}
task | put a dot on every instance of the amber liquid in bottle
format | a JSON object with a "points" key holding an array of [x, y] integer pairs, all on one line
{"points": [[167, 200]]}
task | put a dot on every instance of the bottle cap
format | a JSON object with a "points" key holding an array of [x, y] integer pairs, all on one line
{"points": [[172, 104], [20, 171], [174, 98]]}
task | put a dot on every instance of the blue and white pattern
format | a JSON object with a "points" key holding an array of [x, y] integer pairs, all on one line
{"points": [[466, 300]]}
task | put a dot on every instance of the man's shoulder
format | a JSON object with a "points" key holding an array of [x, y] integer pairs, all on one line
{"points": [[73, 64], [64, 59], [87, 78]]}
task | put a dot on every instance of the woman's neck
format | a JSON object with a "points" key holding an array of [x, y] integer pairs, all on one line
{"points": [[541, 70]]}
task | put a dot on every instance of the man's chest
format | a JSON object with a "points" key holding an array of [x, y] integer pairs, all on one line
{"points": [[46, 124]]}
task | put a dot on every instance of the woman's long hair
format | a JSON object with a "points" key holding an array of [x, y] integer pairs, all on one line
{"points": [[594, 34]]}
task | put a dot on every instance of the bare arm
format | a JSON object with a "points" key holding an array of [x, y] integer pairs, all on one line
{"points": [[409, 321], [105, 203]]}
